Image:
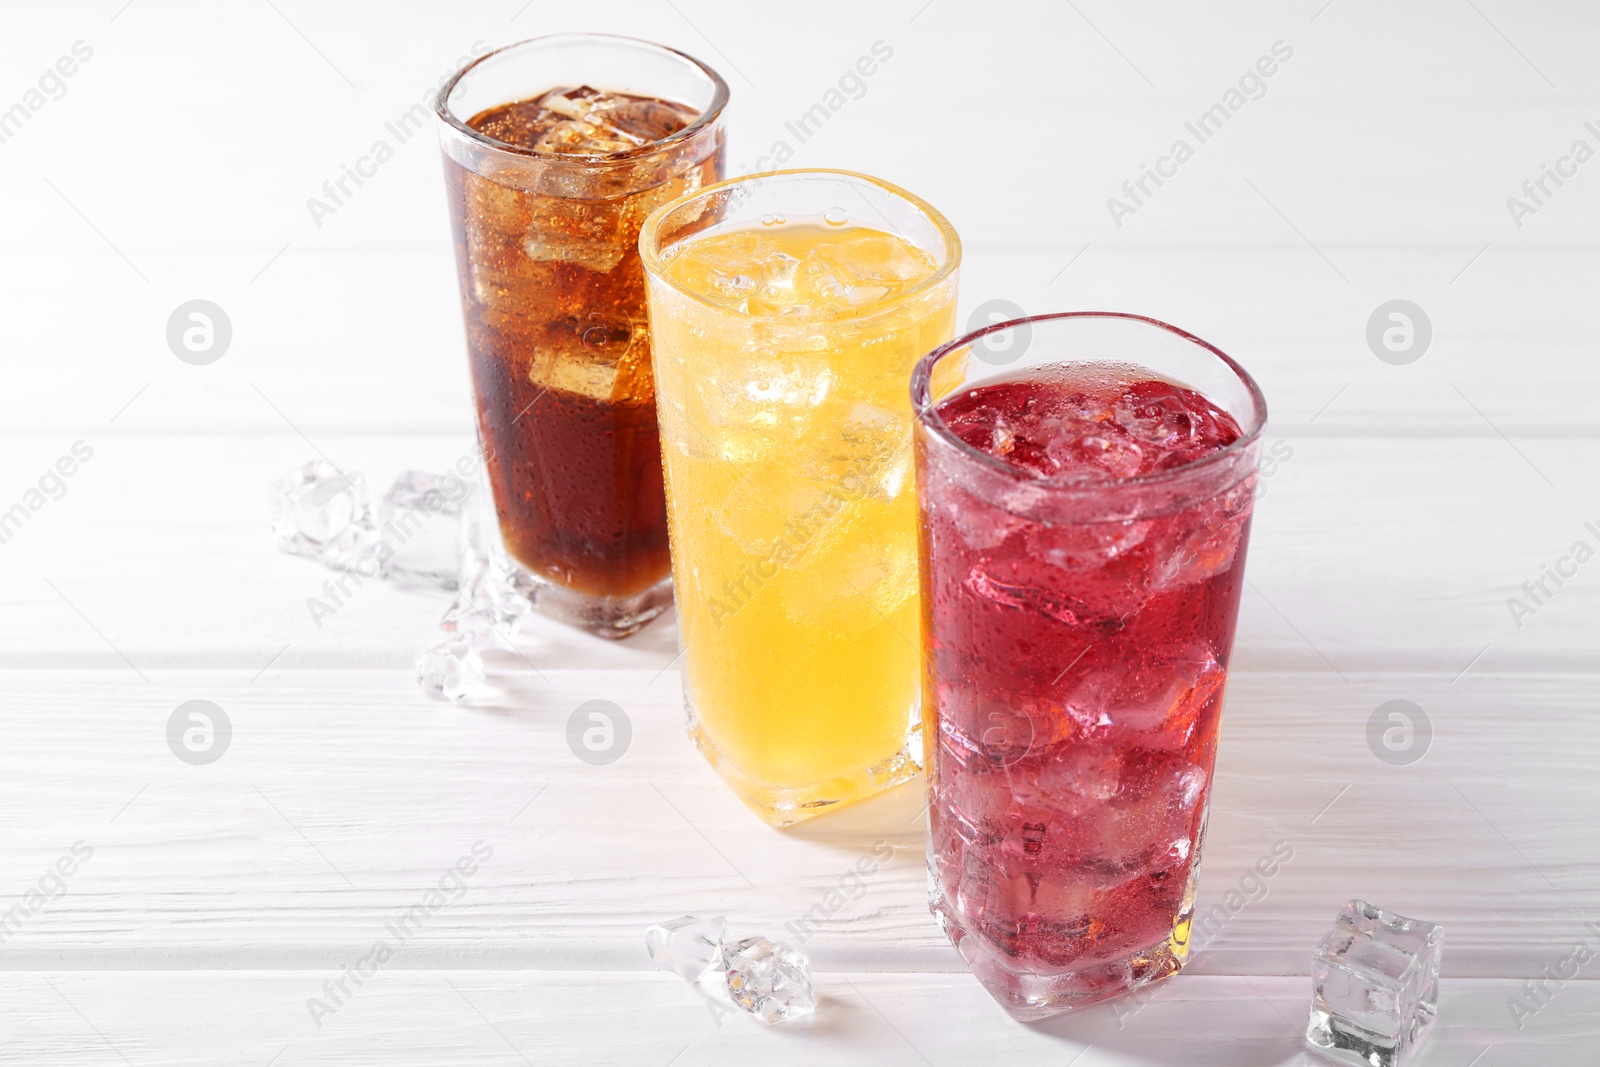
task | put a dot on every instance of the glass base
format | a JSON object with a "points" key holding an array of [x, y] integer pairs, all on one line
{"points": [[785, 806], [604, 616], [1029, 996]]}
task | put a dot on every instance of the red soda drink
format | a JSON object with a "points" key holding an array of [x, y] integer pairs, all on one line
{"points": [[1084, 528]]}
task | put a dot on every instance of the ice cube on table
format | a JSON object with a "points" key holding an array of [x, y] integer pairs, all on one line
{"points": [[451, 668], [490, 617], [417, 519], [322, 513], [688, 946], [490, 603], [768, 979], [1374, 986]]}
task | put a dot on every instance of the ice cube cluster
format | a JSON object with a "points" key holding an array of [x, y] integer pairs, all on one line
{"points": [[430, 531], [766, 979]]}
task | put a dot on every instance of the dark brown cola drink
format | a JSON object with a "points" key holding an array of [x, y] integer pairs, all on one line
{"points": [[549, 180]]}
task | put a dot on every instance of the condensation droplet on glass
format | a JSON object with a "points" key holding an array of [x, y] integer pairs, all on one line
{"points": [[772, 220], [835, 216]]}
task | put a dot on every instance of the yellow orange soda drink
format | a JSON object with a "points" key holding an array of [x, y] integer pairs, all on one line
{"points": [[787, 312]]}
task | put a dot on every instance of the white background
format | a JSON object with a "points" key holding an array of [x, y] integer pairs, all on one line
{"points": [[1418, 499]]}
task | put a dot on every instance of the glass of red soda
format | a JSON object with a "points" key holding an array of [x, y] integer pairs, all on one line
{"points": [[1086, 483]]}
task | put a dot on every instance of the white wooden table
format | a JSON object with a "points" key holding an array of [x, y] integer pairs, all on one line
{"points": [[175, 163]]}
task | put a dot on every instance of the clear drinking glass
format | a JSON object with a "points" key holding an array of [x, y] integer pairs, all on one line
{"points": [[1086, 484], [546, 202], [788, 310]]}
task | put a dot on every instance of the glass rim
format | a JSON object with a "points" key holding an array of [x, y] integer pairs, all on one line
{"points": [[708, 114], [926, 410], [650, 253]]}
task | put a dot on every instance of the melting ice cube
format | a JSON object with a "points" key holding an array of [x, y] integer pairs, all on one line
{"points": [[768, 979], [1374, 986], [451, 669], [688, 946], [322, 513]]}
